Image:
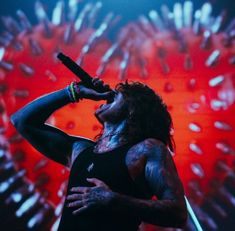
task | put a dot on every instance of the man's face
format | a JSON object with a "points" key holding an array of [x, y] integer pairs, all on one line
{"points": [[113, 112]]}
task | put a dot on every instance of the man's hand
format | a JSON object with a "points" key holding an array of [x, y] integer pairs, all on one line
{"points": [[87, 198], [89, 93]]}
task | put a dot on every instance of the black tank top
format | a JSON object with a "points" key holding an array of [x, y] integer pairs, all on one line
{"points": [[109, 167]]}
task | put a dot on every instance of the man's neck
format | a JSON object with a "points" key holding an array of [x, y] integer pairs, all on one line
{"points": [[114, 135]]}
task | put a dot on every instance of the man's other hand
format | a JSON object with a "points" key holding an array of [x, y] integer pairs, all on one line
{"points": [[88, 198]]}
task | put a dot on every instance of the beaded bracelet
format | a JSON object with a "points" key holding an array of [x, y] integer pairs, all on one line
{"points": [[73, 94], [70, 94]]}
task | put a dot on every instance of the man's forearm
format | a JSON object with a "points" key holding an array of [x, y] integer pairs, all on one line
{"points": [[37, 112], [167, 213]]}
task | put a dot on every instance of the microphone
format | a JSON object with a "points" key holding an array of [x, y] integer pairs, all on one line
{"points": [[85, 78]]}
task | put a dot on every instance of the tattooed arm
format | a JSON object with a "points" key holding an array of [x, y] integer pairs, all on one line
{"points": [[161, 174]]}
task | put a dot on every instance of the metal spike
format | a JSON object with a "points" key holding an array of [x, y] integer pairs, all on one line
{"points": [[165, 67], [197, 170], [106, 58], [178, 16], [194, 127], [7, 184], [39, 218], [156, 20], [68, 33], [213, 58], [124, 65], [191, 85], [188, 13], [188, 63], [17, 45], [222, 126], [18, 155], [35, 47], [205, 13], [171, 22], [217, 105], [207, 40], [168, 87], [225, 196], [4, 41], [183, 46], [229, 37], [230, 27], [197, 24], [223, 167], [3, 89], [40, 164], [6, 65], [73, 8], [2, 53], [28, 205], [42, 18], [11, 25], [58, 15], [218, 209], [24, 21], [146, 26], [6, 167], [79, 23], [161, 51], [20, 93], [195, 148], [40, 11], [225, 148], [165, 12], [26, 69], [208, 222], [93, 14], [93, 39], [195, 190], [41, 180], [51, 76], [232, 60], [216, 81], [215, 28], [142, 64]]}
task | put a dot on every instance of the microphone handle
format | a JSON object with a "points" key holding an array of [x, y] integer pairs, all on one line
{"points": [[80, 73]]}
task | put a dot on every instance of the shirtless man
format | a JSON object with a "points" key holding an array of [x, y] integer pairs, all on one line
{"points": [[113, 178]]}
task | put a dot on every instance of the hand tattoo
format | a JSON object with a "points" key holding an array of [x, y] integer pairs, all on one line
{"points": [[90, 198]]}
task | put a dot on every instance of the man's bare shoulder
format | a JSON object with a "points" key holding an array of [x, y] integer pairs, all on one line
{"points": [[149, 148]]}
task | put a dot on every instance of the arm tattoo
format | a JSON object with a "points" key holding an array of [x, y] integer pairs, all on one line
{"points": [[161, 175]]}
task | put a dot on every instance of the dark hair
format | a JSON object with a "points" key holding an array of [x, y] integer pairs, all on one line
{"points": [[148, 114]]}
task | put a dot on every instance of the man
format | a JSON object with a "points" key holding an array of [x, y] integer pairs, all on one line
{"points": [[113, 178]]}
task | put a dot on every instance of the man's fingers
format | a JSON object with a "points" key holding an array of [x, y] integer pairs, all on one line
{"points": [[75, 197], [77, 203], [106, 86], [96, 181], [99, 96], [80, 189], [82, 209]]}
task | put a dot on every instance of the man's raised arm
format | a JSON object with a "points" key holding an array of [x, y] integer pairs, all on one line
{"points": [[30, 123]]}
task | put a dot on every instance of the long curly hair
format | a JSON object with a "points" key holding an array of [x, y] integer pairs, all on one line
{"points": [[148, 114]]}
